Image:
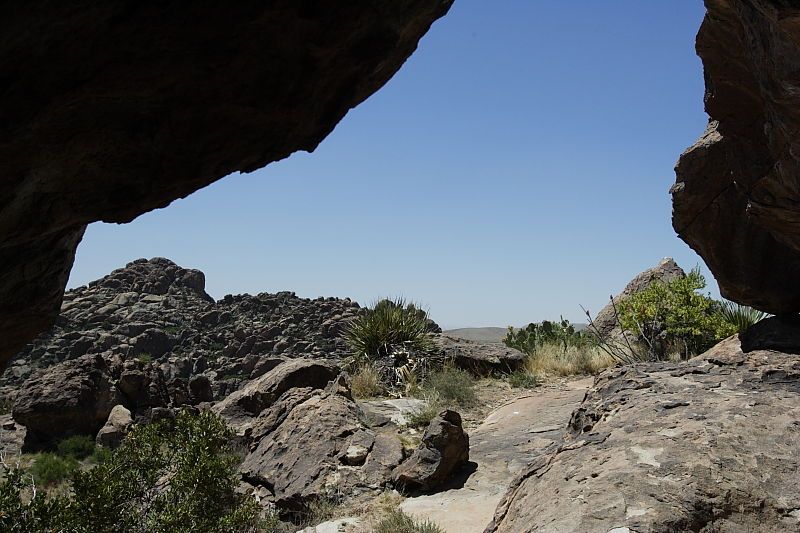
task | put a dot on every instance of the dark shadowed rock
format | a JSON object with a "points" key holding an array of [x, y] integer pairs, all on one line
{"points": [[705, 445], [443, 450], [156, 101], [75, 397], [737, 194], [605, 322]]}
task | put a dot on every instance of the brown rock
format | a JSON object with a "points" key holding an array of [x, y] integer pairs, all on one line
{"points": [[443, 450], [301, 454], [241, 407], [736, 196], [71, 397], [481, 358], [123, 120], [705, 445]]}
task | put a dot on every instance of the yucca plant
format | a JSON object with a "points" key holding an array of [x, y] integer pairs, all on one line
{"points": [[740, 316], [387, 326]]}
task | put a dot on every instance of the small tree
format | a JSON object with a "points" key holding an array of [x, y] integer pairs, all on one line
{"points": [[675, 317]]}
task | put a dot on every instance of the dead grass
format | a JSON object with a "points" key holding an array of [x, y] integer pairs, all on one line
{"points": [[554, 360], [366, 382]]}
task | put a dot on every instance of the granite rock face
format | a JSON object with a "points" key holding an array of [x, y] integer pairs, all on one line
{"points": [[153, 102], [736, 200], [710, 444]]}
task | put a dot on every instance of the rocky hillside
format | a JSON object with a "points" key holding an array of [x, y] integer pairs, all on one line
{"points": [[155, 311]]}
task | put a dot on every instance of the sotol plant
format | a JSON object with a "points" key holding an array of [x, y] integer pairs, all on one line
{"points": [[387, 325]]}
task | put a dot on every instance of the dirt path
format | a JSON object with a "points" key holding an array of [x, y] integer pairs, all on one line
{"points": [[507, 440]]}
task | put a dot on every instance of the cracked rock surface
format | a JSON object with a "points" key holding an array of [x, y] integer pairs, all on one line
{"points": [[705, 445], [737, 192]]}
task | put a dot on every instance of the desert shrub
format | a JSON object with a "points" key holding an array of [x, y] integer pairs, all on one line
{"points": [[23, 508], [144, 358], [420, 418], [5, 406], [366, 382], [77, 447], [551, 359], [170, 476], [451, 387], [399, 522], [521, 379], [49, 469], [740, 316], [387, 325], [673, 316], [561, 333], [320, 510]]}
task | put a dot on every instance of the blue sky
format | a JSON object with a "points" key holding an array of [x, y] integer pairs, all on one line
{"points": [[516, 167]]}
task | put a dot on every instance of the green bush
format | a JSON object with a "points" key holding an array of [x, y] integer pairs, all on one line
{"points": [[523, 380], [49, 469], [451, 387], [674, 317], [23, 509], [171, 476], [77, 447], [422, 417], [144, 358], [399, 522], [561, 333], [389, 324]]}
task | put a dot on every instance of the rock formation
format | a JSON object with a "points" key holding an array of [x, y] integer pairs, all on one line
{"points": [[154, 310], [443, 450], [605, 323], [154, 102], [736, 198], [710, 444]]}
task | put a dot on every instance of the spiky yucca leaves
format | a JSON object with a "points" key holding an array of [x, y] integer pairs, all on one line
{"points": [[387, 325], [740, 316]]}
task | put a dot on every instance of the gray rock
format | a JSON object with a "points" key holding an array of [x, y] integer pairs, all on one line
{"points": [[443, 450], [115, 428]]}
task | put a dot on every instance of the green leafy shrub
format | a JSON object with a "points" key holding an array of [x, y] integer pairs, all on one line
{"points": [[399, 522], [170, 476], [23, 508], [77, 447], [520, 379], [420, 418], [674, 317], [451, 387], [561, 333], [144, 358], [387, 325], [49, 469], [740, 316]]}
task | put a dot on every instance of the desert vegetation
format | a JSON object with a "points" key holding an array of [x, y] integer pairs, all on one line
{"points": [[168, 476], [675, 320]]}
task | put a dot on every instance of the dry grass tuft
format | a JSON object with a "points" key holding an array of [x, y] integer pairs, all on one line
{"points": [[554, 360], [366, 382]]}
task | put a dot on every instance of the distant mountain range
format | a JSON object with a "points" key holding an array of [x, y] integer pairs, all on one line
{"points": [[489, 334]]}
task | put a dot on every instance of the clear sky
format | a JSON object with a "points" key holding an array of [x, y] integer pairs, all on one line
{"points": [[517, 166]]}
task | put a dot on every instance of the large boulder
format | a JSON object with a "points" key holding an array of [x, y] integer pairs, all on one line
{"points": [[153, 102], [710, 444], [74, 397], [443, 450], [481, 358], [312, 444], [242, 406], [115, 428], [736, 199]]}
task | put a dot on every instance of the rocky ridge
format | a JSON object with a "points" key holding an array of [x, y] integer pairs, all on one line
{"points": [[158, 314]]}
